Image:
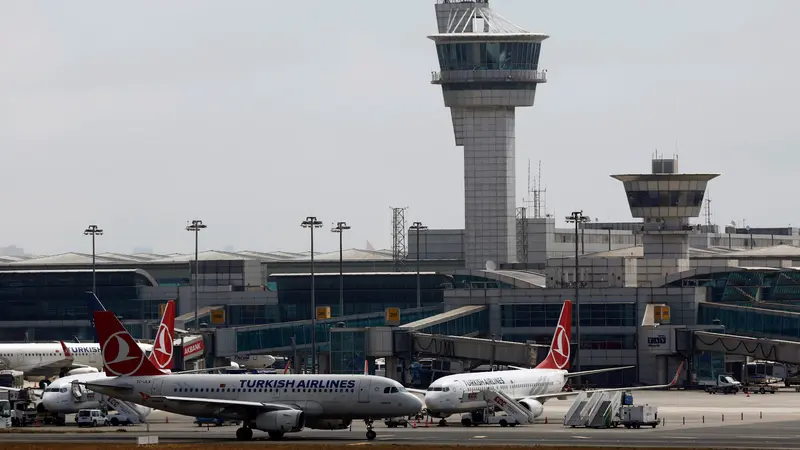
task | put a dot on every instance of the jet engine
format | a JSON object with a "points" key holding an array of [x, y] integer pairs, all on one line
{"points": [[533, 405], [284, 421], [329, 424], [81, 370]]}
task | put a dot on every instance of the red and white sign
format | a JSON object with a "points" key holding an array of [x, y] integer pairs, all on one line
{"points": [[193, 350]]}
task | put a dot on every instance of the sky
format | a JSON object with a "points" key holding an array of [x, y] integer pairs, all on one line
{"points": [[252, 115]]}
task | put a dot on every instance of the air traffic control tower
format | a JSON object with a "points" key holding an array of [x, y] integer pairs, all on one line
{"points": [[489, 66], [665, 199]]}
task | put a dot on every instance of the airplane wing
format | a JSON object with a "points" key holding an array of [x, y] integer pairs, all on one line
{"points": [[210, 406], [204, 406], [562, 395], [590, 372]]}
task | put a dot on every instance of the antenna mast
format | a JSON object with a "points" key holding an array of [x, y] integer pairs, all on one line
{"points": [[538, 203], [708, 211]]}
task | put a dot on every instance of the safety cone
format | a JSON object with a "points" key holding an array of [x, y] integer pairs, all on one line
{"points": [[545, 420], [748, 393], [167, 419]]}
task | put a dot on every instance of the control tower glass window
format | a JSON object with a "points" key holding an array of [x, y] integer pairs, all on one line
{"points": [[489, 56], [655, 199]]}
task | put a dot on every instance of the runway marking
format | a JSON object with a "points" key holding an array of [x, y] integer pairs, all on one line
{"points": [[581, 437], [359, 443], [478, 437]]}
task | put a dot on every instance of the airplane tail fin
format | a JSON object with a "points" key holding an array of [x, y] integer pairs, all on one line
{"points": [[162, 354], [122, 356], [93, 304], [559, 355]]}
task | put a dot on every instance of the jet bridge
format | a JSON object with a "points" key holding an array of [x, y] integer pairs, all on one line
{"points": [[759, 348]]}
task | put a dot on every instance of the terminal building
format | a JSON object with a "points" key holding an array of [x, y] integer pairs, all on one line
{"points": [[653, 291]]}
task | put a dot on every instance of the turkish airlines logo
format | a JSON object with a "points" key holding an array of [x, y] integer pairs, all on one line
{"points": [[163, 347], [560, 348], [117, 354]]}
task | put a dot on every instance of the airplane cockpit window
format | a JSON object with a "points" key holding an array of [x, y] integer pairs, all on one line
{"points": [[63, 390]]}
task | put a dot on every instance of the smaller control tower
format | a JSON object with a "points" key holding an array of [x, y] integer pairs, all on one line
{"points": [[665, 199]]}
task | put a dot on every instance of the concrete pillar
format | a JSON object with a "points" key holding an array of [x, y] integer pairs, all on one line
{"points": [[324, 362]]}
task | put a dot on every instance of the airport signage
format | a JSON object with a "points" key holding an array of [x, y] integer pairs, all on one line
{"points": [[658, 340], [193, 350]]}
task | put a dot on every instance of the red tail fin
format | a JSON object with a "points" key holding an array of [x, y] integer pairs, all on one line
{"points": [[161, 356], [122, 356], [558, 357]]}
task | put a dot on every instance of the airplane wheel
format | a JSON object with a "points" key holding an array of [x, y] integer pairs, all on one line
{"points": [[371, 435], [245, 434], [503, 423], [443, 423], [275, 435], [466, 422]]}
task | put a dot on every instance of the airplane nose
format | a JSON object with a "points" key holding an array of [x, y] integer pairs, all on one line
{"points": [[415, 403]]}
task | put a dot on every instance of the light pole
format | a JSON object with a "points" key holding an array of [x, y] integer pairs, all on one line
{"points": [[577, 218], [417, 227], [311, 223], [339, 228], [93, 230], [195, 227]]}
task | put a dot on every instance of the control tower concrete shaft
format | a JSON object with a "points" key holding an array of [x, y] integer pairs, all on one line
{"points": [[488, 67]]}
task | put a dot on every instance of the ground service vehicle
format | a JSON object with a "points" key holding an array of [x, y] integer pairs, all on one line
{"points": [[724, 383], [91, 418]]}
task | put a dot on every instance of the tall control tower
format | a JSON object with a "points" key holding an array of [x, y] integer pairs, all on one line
{"points": [[665, 199], [489, 66]]}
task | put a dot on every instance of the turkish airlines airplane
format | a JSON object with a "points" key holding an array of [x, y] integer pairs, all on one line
{"points": [[531, 388], [277, 404], [49, 359]]}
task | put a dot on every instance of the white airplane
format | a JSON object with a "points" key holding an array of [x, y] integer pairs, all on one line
{"points": [[49, 359], [276, 404], [66, 395], [531, 388]]}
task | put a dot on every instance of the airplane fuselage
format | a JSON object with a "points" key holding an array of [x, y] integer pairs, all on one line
{"points": [[319, 396], [48, 358], [450, 394]]}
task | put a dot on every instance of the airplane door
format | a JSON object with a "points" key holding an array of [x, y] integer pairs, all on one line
{"points": [[157, 386], [363, 391]]}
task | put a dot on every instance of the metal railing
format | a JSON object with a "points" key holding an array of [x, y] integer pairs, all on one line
{"points": [[478, 75]]}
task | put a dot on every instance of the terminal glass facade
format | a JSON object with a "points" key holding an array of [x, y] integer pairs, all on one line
{"points": [[35, 296], [489, 56], [656, 199], [363, 293], [592, 315]]}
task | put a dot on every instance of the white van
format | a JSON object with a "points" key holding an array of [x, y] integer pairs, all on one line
{"points": [[91, 418]]}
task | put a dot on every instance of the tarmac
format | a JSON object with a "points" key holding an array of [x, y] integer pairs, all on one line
{"points": [[689, 419]]}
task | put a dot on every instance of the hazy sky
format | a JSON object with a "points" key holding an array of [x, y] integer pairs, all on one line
{"points": [[252, 115]]}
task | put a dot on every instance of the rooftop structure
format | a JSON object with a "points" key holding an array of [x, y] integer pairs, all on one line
{"points": [[488, 67]]}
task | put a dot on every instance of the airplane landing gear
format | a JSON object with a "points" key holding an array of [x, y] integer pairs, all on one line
{"points": [[370, 433], [442, 422], [275, 435], [245, 433]]}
